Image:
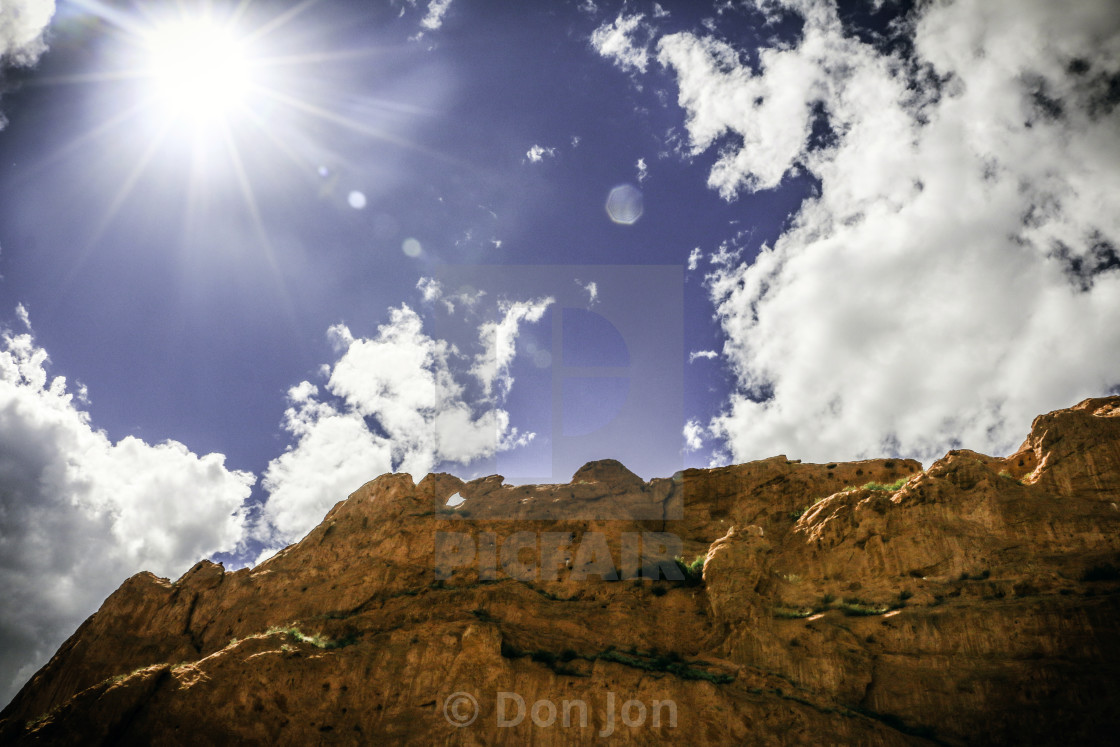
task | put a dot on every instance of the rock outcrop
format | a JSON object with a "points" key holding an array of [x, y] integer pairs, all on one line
{"points": [[869, 602]]}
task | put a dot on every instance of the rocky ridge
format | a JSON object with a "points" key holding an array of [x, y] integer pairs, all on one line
{"points": [[868, 602]]}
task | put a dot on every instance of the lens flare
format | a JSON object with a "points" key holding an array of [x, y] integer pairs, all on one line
{"points": [[624, 204]]}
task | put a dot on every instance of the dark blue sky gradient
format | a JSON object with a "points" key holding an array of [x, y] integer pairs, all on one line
{"points": [[189, 324]]}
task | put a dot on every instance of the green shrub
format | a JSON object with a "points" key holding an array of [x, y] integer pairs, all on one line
{"points": [[317, 640], [795, 515], [43, 718], [850, 606], [693, 572], [855, 607], [885, 486]]}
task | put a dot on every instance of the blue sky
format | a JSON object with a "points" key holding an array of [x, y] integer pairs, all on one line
{"points": [[277, 249], [193, 326]]}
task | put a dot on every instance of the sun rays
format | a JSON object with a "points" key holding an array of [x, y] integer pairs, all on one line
{"points": [[230, 92]]}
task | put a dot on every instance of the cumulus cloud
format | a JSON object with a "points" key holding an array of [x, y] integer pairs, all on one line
{"points": [[768, 116], [80, 513], [693, 433], [694, 258], [437, 9], [958, 271], [391, 403], [538, 153], [23, 24], [499, 340], [705, 354], [642, 170], [621, 42], [430, 289], [23, 316]]}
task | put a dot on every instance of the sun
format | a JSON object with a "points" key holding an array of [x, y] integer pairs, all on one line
{"points": [[198, 68], [220, 96]]}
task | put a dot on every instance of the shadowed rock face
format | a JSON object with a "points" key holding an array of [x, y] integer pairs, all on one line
{"points": [[972, 602]]}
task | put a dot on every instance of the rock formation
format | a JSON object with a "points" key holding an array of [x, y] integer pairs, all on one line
{"points": [[868, 602]]}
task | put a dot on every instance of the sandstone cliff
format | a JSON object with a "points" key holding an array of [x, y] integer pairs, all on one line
{"points": [[972, 602]]}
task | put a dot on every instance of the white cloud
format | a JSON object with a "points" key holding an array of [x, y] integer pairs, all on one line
{"points": [[589, 7], [437, 9], [22, 27], [392, 403], [305, 390], [642, 170], [958, 272], [575, 141], [335, 453], [616, 41], [538, 153], [693, 433], [592, 289], [499, 340], [659, 12], [79, 513], [705, 354], [466, 298], [22, 23], [23, 316], [694, 258], [767, 116], [430, 289]]}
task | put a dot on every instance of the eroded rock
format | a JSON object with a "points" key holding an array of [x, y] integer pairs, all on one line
{"points": [[869, 602]]}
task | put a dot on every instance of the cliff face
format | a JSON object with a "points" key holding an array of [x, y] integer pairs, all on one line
{"points": [[972, 602]]}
